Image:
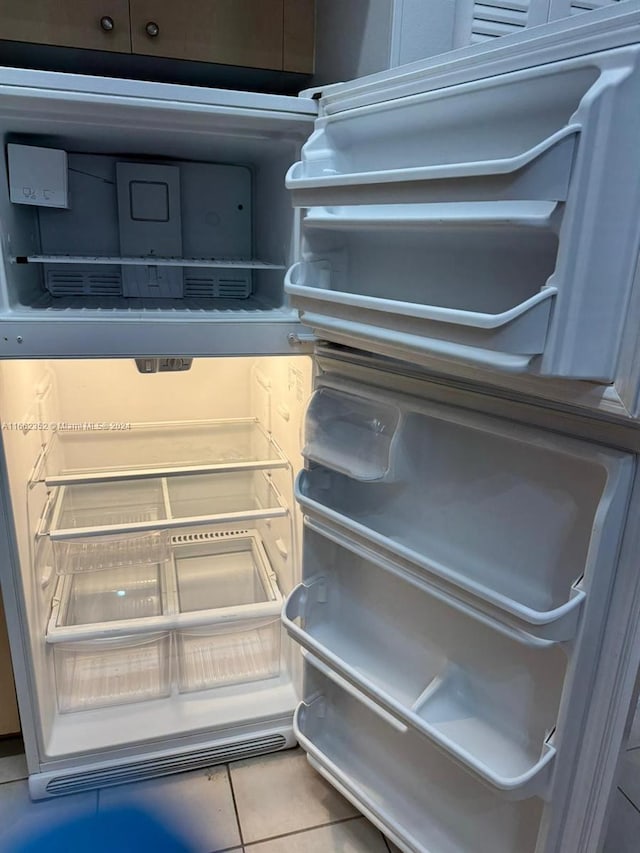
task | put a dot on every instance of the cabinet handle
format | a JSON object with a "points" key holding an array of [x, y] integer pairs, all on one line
{"points": [[106, 22], [152, 29]]}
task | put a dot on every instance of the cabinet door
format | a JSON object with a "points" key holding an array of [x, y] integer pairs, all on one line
{"points": [[9, 720], [299, 36], [231, 32], [95, 24]]}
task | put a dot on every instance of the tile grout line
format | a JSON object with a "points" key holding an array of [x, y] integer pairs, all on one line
{"points": [[235, 805], [339, 820], [13, 781], [629, 800]]}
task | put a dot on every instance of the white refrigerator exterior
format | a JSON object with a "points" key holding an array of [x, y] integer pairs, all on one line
{"points": [[469, 600]]}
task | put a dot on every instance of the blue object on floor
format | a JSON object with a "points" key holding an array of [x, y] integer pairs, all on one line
{"points": [[128, 830]]}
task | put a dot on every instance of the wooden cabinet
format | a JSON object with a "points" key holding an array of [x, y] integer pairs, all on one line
{"points": [[232, 32], [9, 719], [277, 35], [299, 36], [95, 24]]}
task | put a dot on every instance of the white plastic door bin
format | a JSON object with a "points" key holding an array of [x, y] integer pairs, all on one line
{"points": [[381, 769], [512, 518]]}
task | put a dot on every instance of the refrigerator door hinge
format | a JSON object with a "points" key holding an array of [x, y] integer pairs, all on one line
{"points": [[297, 338]]}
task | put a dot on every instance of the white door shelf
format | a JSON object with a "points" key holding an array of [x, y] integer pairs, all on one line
{"points": [[475, 222], [539, 173], [161, 449], [487, 699], [161, 503], [381, 770], [514, 521], [444, 216]]}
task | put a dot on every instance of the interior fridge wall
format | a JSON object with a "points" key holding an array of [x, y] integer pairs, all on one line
{"points": [[38, 396]]}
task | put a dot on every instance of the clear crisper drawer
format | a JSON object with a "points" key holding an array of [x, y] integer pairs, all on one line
{"points": [[163, 446], [224, 573], [97, 553], [228, 653], [350, 434], [98, 673], [96, 505]]}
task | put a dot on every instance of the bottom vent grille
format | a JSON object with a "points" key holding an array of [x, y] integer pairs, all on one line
{"points": [[139, 770]]}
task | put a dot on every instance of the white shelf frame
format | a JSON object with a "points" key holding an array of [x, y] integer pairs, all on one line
{"points": [[148, 261]]}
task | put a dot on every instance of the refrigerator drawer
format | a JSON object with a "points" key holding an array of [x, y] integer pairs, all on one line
{"points": [[486, 696], [515, 521], [232, 652], [211, 577], [115, 594], [474, 223], [98, 673], [381, 769], [100, 553]]}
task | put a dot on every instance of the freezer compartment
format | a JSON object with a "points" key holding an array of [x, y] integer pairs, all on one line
{"points": [[99, 673], [74, 455], [230, 652], [513, 520], [402, 268], [350, 434], [97, 553], [381, 770], [127, 506], [486, 696], [146, 231]]}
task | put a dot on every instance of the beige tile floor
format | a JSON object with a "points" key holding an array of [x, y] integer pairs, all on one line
{"points": [[273, 804], [624, 825]]}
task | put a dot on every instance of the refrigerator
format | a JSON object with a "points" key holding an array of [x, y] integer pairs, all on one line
{"points": [[320, 426]]}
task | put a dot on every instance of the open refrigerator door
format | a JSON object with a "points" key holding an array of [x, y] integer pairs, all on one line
{"points": [[464, 579]]}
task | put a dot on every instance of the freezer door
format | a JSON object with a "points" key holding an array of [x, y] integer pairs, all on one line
{"points": [[477, 209], [457, 574]]}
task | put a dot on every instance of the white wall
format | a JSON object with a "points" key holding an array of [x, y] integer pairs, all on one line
{"points": [[353, 38], [114, 390], [359, 37]]}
